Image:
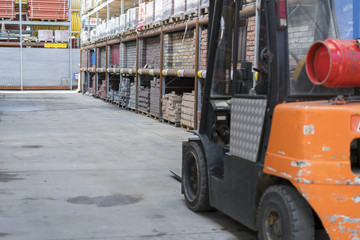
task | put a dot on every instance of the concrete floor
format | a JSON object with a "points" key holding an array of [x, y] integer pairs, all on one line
{"points": [[75, 167]]}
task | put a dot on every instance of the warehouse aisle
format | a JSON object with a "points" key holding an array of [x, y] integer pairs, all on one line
{"points": [[75, 167]]}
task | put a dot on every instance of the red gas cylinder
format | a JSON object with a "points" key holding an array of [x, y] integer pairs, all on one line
{"points": [[334, 63]]}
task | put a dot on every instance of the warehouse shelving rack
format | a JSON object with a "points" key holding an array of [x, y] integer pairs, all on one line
{"points": [[22, 44], [195, 23]]}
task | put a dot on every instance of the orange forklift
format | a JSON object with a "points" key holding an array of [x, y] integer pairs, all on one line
{"points": [[281, 154]]}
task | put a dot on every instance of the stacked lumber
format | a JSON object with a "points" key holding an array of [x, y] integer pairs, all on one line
{"points": [[155, 96], [144, 99], [44, 9], [7, 9], [187, 109], [171, 107]]}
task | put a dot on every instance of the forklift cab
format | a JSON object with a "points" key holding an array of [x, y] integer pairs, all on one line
{"points": [[259, 137]]}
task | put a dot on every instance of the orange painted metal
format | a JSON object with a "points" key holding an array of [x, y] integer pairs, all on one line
{"points": [[310, 146]]}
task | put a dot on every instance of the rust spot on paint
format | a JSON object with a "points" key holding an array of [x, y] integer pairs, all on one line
{"points": [[300, 164]]}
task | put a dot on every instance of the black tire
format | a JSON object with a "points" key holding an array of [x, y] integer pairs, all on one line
{"points": [[195, 179], [284, 214]]}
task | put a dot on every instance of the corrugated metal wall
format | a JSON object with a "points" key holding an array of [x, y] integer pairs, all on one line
{"points": [[41, 66]]}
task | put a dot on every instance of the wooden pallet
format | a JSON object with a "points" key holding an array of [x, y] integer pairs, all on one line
{"points": [[131, 109], [153, 116], [143, 112], [191, 15], [204, 11], [186, 127], [176, 124]]}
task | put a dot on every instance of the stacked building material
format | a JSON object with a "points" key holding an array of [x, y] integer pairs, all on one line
{"points": [[192, 6], [102, 90], [187, 109], [179, 8], [144, 99], [113, 95], [155, 96], [61, 35], [91, 90], [115, 58], [7, 9], [167, 8], [124, 92], [102, 62], [133, 16], [142, 15], [45, 35], [53, 10], [122, 22], [150, 12], [130, 57], [132, 99], [171, 107]]}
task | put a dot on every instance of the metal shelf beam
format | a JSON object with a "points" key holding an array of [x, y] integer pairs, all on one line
{"points": [[32, 23], [104, 4]]}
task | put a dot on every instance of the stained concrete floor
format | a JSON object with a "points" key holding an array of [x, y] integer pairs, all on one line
{"points": [[75, 167]]}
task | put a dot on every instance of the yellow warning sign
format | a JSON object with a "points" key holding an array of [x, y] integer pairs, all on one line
{"points": [[55, 45]]}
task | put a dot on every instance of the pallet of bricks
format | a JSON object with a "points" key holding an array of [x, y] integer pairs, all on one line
{"points": [[187, 110], [124, 92], [144, 99], [154, 97], [171, 108]]}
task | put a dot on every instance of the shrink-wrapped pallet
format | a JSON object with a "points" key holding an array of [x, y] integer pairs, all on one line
{"points": [[158, 11], [133, 17], [61, 35], [84, 37], [150, 12], [45, 35], [142, 15], [204, 3], [122, 22], [192, 6], [117, 26], [179, 8], [127, 23], [167, 9]]}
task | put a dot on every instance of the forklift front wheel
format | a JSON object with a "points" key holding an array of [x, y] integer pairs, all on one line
{"points": [[195, 178], [284, 214]]}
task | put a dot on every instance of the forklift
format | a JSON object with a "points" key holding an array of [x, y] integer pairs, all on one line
{"points": [[281, 154]]}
